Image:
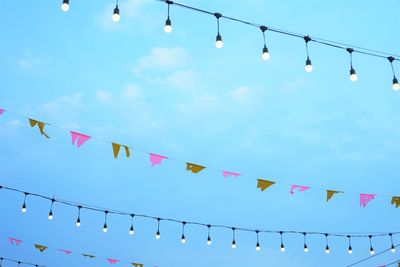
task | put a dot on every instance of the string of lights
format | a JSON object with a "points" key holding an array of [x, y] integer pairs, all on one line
{"points": [[19, 263], [265, 55], [131, 215]]}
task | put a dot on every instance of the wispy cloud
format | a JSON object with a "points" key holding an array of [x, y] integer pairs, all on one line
{"points": [[31, 63], [65, 108], [103, 96]]}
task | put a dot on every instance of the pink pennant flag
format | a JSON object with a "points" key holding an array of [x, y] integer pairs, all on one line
{"points": [[1, 111], [80, 137], [365, 198], [112, 261], [226, 174], [156, 159], [300, 187], [14, 241], [66, 252]]}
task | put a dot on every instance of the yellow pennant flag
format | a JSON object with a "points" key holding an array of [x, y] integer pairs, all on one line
{"points": [[116, 147], [194, 168], [40, 247], [88, 256], [137, 264], [396, 201], [264, 184], [330, 193], [40, 125]]}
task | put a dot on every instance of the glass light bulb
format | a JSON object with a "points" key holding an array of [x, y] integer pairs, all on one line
{"points": [[350, 251], [116, 17], [258, 248], [209, 242], [105, 229], [308, 66], [158, 236], [327, 251], [353, 75], [50, 215], [393, 250], [131, 231], [372, 251], [65, 6], [219, 43], [265, 54], [305, 249], [168, 26], [78, 222], [233, 245], [23, 209], [283, 248], [183, 240], [396, 85]]}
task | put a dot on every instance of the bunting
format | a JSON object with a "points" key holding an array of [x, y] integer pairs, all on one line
{"points": [[194, 168], [88, 256], [116, 147], [40, 125], [264, 184], [137, 264], [396, 201], [14, 241], [365, 199], [301, 188], [40, 247], [226, 174], [156, 159], [80, 139], [112, 261], [66, 252], [330, 193], [1, 111]]}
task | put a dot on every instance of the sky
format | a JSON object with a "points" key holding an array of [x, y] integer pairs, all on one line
{"points": [[179, 96]]}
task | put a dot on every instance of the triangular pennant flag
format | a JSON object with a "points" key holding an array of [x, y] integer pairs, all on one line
{"points": [[365, 198], [40, 247], [88, 256], [14, 241], [40, 125], [156, 159], [137, 264], [194, 168], [264, 184], [66, 252], [1, 111], [330, 193], [300, 187], [396, 201], [112, 261], [79, 138], [116, 147], [226, 174]]}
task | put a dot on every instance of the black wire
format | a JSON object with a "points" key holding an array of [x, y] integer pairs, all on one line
{"points": [[20, 262], [372, 256]]}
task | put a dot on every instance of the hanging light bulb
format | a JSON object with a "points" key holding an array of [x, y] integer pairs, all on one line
{"points": [[209, 242], [395, 84], [158, 235], [24, 204], [282, 245], [116, 17], [353, 74], [258, 248], [308, 66], [131, 230], [65, 5], [305, 243], [168, 25], [371, 249], [392, 247], [218, 43], [233, 238], [51, 210], [350, 248], [78, 220], [327, 250], [183, 238], [105, 228], [265, 53]]}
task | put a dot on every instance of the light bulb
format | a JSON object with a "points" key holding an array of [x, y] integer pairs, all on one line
{"points": [[233, 244], [116, 17], [283, 248], [393, 249], [209, 242], [23, 208], [353, 75], [305, 248], [219, 43], [131, 231], [327, 250], [158, 235], [168, 26], [350, 250], [258, 248], [105, 228], [183, 239], [308, 67], [396, 85], [51, 215], [265, 54], [78, 222], [65, 5], [371, 251]]}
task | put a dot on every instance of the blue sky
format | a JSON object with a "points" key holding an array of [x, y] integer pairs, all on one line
{"points": [[177, 95]]}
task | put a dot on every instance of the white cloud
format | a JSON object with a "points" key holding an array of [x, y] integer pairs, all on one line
{"points": [[242, 94], [31, 63], [103, 96], [131, 91], [163, 58], [184, 80], [63, 107]]}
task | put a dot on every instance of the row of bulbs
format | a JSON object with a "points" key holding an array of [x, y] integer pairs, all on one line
{"points": [[209, 241], [265, 53]]}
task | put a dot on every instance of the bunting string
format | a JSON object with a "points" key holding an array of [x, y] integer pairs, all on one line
{"points": [[131, 215], [67, 252], [3, 259], [79, 139]]}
